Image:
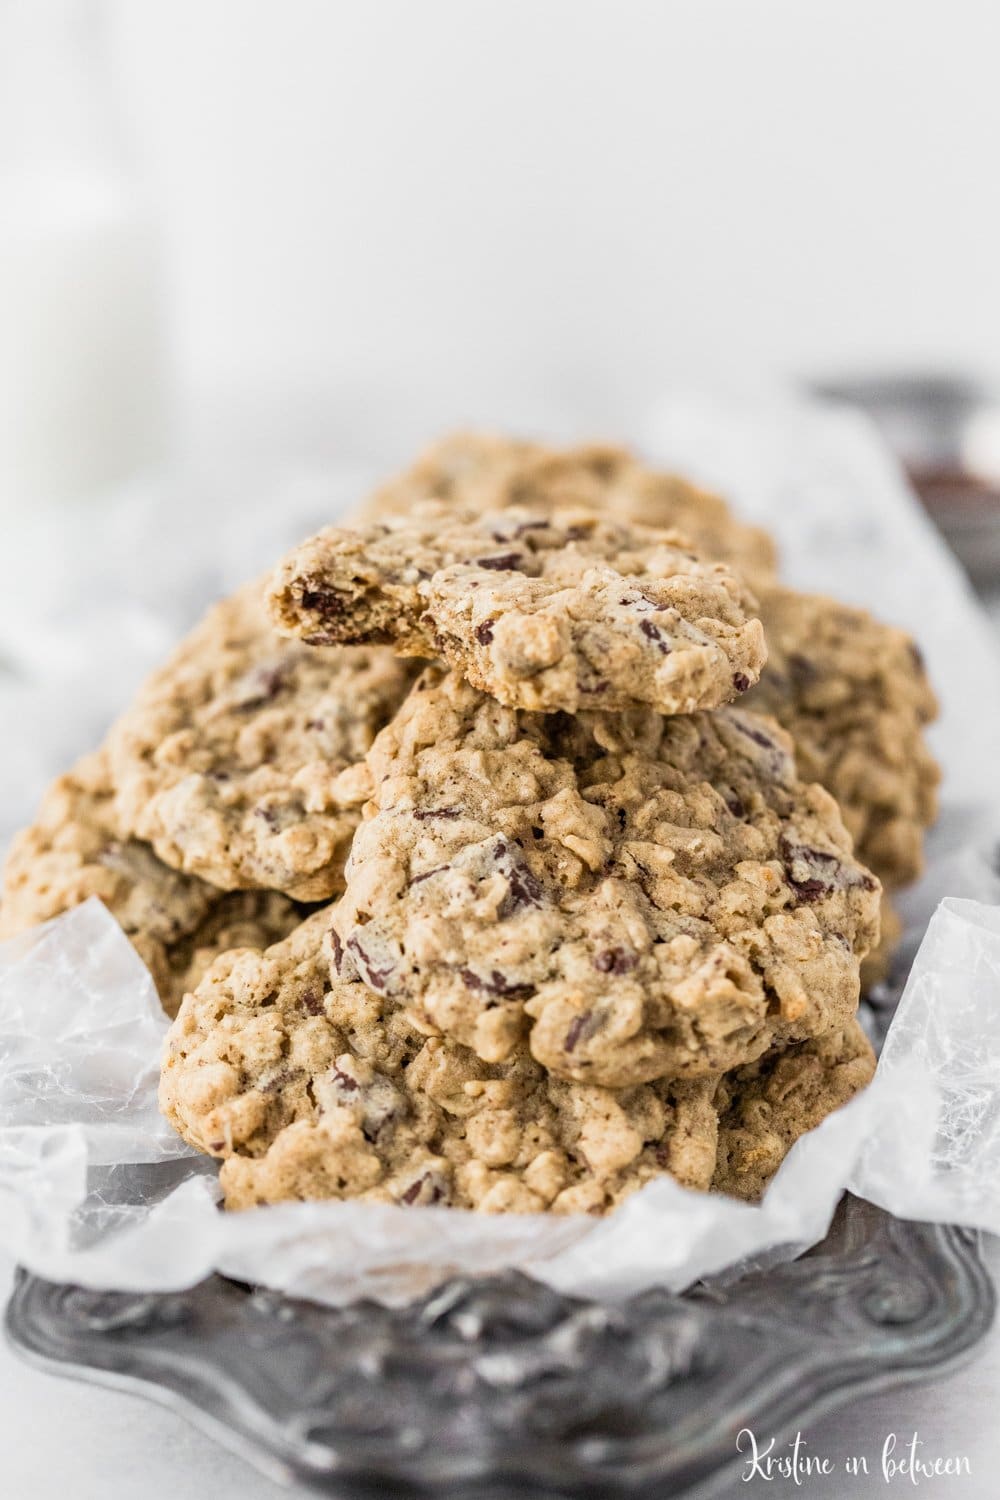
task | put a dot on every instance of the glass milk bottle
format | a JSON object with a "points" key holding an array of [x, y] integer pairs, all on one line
{"points": [[81, 349]]}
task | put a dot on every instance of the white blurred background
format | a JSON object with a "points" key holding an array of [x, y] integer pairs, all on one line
{"points": [[374, 218], [382, 216]]}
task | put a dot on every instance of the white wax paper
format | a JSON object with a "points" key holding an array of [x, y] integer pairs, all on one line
{"points": [[94, 1187]]}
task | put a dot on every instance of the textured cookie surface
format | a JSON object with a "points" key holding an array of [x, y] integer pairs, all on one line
{"points": [[557, 611], [237, 761], [650, 897], [763, 1109], [854, 696], [487, 473], [178, 924], [309, 1088], [316, 1088], [877, 966]]}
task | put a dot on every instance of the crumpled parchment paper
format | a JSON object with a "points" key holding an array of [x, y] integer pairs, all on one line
{"points": [[95, 1188]]}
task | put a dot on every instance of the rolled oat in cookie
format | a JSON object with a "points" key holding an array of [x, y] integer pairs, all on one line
{"points": [[485, 473], [240, 760], [177, 923], [854, 696], [646, 897], [765, 1108], [558, 610], [315, 1087]]}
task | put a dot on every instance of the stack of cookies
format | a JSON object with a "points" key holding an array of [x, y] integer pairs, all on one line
{"points": [[515, 846]]}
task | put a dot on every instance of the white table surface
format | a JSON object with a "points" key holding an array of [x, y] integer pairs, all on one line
{"points": [[61, 1438]]}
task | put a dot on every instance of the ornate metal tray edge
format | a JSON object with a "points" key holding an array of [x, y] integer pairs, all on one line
{"points": [[502, 1386]]}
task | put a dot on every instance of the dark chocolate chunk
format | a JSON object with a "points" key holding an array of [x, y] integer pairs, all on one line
{"points": [[370, 972], [652, 633], [615, 961]]}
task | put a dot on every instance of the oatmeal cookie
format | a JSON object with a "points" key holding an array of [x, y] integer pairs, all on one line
{"points": [[556, 611], [853, 694], [481, 472], [655, 897], [177, 923], [239, 761], [309, 1087], [765, 1108]]}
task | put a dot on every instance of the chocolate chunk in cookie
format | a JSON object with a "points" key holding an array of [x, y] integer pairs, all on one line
{"points": [[485, 473], [854, 696], [549, 611], [647, 897], [239, 760], [177, 923]]}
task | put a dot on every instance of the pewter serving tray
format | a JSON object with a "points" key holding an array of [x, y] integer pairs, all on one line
{"points": [[499, 1387]]}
